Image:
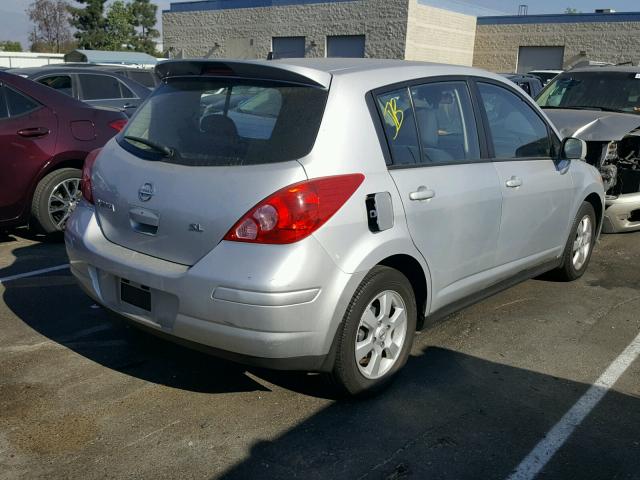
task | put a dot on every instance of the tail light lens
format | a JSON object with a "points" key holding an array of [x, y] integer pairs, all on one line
{"points": [[296, 211], [85, 183], [118, 125]]}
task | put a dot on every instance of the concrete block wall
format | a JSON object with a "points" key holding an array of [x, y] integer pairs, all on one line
{"points": [[438, 35], [496, 46], [247, 32]]}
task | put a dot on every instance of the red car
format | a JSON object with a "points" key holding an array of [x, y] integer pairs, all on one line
{"points": [[44, 138]]}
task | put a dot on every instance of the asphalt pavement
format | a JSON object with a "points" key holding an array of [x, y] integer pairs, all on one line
{"points": [[83, 395]]}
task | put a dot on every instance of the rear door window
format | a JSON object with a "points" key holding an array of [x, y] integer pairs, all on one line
{"points": [[209, 122], [62, 83], [101, 87], [396, 112], [446, 122]]}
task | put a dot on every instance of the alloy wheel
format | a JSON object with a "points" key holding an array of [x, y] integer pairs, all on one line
{"points": [[63, 201], [381, 334], [582, 242]]}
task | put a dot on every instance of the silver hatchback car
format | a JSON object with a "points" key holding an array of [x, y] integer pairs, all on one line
{"points": [[310, 214]]}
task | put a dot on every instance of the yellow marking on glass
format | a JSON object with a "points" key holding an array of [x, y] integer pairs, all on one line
{"points": [[396, 115]]}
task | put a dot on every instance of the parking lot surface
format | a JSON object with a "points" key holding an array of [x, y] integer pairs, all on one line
{"points": [[85, 396]]}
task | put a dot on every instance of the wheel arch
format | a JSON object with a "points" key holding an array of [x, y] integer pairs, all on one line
{"points": [[596, 202], [413, 270]]}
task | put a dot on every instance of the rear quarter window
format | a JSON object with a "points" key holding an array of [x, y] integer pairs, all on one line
{"points": [[145, 78], [101, 87], [399, 126], [18, 103], [210, 122]]}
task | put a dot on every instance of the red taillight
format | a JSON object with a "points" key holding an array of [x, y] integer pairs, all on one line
{"points": [[85, 183], [118, 125], [296, 211]]}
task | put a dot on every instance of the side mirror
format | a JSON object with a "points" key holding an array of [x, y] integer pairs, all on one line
{"points": [[573, 149]]}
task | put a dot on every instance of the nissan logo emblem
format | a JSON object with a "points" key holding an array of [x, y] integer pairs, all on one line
{"points": [[146, 192]]}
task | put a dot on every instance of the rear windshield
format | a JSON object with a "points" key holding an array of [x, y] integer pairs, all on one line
{"points": [[213, 122], [608, 91]]}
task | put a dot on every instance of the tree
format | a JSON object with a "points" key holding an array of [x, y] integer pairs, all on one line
{"points": [[120, 26], [51, 31], [9, 46], [127, 25], [90, 23], [145, 21]]}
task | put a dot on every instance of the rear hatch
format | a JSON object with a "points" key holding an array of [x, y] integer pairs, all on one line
{"points": [[197, 155]]}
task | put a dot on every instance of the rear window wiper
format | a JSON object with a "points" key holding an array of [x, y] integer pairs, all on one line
{"points": [[166, 151]]}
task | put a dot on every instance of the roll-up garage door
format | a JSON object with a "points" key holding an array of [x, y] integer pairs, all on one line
{"points": [[540, 58], [288, 47], [345, 46]]}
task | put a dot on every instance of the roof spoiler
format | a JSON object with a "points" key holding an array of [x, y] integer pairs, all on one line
{"points": [[251, 69]]}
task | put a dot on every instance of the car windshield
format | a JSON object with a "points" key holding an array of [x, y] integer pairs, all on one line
{"points": [[610, 91], [202, 121]]}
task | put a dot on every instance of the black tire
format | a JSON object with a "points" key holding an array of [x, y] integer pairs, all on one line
{"points": [[568, 271], [346, 373], [41, 221]]}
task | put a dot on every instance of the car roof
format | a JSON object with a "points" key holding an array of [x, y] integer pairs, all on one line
{"points": [[29, 71], [322, 70], [96, 66], [607, 68], [511, 76]]}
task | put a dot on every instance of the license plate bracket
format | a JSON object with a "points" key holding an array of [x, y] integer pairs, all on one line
{"points": [[137, 296]]}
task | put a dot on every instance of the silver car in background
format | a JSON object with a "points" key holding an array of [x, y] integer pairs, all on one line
{"points": [[310, 214]]}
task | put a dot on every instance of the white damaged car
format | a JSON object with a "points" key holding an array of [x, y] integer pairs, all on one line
{"points": [[601, 105]]}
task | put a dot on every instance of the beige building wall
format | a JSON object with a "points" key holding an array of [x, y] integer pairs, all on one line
{"points": [[437, 35], [497, 46], [247, 32]]}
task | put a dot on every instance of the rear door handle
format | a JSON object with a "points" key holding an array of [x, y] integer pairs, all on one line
{"points": [[423, 193], [33, 132], [514, 182]]}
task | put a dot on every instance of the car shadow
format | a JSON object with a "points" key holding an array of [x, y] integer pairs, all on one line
{"points": [[24, 233], [7, 237], [450, 415], [53, 305], [40, 251]]}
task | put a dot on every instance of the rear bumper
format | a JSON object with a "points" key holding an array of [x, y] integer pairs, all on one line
{"points": [[276, 306], [622, 214]]}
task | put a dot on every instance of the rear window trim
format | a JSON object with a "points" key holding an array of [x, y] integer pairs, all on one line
{"points": [[167, 80]]}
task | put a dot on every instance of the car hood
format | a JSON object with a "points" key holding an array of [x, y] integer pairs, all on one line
{"points": [[593, 125]]}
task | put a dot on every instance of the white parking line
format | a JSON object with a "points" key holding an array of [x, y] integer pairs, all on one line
{"points": [[33, 273], [558, 435]]}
